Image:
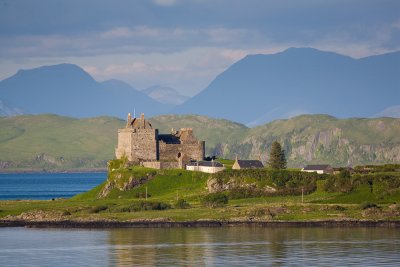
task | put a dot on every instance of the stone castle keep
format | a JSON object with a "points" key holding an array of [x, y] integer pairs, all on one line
{"points": [[143, 145]]}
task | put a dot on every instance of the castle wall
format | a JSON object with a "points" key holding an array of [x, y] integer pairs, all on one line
{"points": [[140, 143], [124, 144], [137, 144], [144, 144], [161, 164], [195, 151]]}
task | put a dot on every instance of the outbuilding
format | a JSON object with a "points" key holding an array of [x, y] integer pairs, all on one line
{"points": [[247, 164], [205, 166], [320, 169]]}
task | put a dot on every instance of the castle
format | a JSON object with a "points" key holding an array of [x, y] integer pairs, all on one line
{"points": [[143, 145]]}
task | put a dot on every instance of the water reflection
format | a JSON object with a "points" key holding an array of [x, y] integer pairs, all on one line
{"points": [[235, 246], [257, 246]]}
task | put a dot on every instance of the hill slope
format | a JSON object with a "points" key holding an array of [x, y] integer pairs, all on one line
{"points": [[262, 88], [58, 143], [68, 90]]}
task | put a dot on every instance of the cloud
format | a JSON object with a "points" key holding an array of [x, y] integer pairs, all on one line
{"points": [[125, 32], [165, 2], [185, 44]]}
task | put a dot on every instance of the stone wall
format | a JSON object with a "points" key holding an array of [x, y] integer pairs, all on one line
{"points": [[137, 144], [195, 151], [161, 165], [144, 144], [124, 144]]}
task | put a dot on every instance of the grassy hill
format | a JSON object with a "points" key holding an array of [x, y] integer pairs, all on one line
{"points": [[51, 142], [326, 197], [56, 142]]}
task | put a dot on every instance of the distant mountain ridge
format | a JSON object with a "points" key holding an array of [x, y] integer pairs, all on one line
{"points": [[66, 89], [262, 88], [165, 95], [50, 142], [254, 90], [6, 110]]}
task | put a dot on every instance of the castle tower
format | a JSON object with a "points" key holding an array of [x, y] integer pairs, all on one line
{"points": [[138, 141]]}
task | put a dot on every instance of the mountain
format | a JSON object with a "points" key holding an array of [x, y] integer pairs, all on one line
{"points": [[68, 90], [262, 88], [165, 95], [6, 110], [51, 142], [393, 112]]}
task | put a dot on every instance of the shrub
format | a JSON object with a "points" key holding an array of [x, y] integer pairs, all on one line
{"points": [[144, 205], [97, 209], [65, 213], [339, 208], [339, 183], [214, 200], [181, 204], [142, 195], [368, 205]]}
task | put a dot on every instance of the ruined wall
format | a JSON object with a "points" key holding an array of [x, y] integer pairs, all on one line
{"points": [[144, 144], [170, 152], [124, 144], [137, 144], [160, 165]]}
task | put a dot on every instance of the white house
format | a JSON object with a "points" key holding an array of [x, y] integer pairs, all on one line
{"points": [[320, 169], [205, 166]]}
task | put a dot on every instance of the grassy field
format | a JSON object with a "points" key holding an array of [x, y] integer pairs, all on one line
{"points": [[166, 186]]}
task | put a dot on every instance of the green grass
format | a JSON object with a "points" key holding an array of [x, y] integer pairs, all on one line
{"points": [[168, 185]]}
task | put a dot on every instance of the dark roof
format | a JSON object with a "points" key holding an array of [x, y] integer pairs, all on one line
{"points": [[250, 164], [169, 138], [316, 167], [206, 164]]}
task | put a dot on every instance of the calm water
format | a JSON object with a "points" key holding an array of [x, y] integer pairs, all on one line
{"points": [[47, 185], [234, 246]]}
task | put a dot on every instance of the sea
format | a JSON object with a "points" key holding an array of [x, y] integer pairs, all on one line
{"points": [[47, 185], [225, 246]]}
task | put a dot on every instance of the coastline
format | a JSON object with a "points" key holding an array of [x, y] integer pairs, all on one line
{"points": [[97, 170], [109, 224]]}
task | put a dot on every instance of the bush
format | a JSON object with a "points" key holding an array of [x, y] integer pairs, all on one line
{"points": [[339, 208], [142, 195], [342, 182], [182, 204], [144, 205], [214, 200], [368, 205], [97, 209], [65, 213]]}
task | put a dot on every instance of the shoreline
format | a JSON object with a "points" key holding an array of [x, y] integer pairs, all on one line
{"points": [[54, 171], [195, 224]]}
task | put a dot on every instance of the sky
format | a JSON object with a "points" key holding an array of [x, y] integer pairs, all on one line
{"points": [[185, 44]]}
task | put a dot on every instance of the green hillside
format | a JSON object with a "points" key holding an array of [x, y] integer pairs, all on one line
{"points": [[51, 142], [55, 142], [250, 195]]}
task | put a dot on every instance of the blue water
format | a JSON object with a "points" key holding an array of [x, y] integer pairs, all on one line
{"points": [[230, 246], [47, 185]]}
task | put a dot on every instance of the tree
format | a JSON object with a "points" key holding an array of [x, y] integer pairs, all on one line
{"points": [[277, 159]]}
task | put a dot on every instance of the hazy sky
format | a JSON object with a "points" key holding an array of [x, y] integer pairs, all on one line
{"points": [[181, 43]]}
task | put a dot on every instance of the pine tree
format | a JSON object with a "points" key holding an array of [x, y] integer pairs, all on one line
{"points": [[277, 159]]}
